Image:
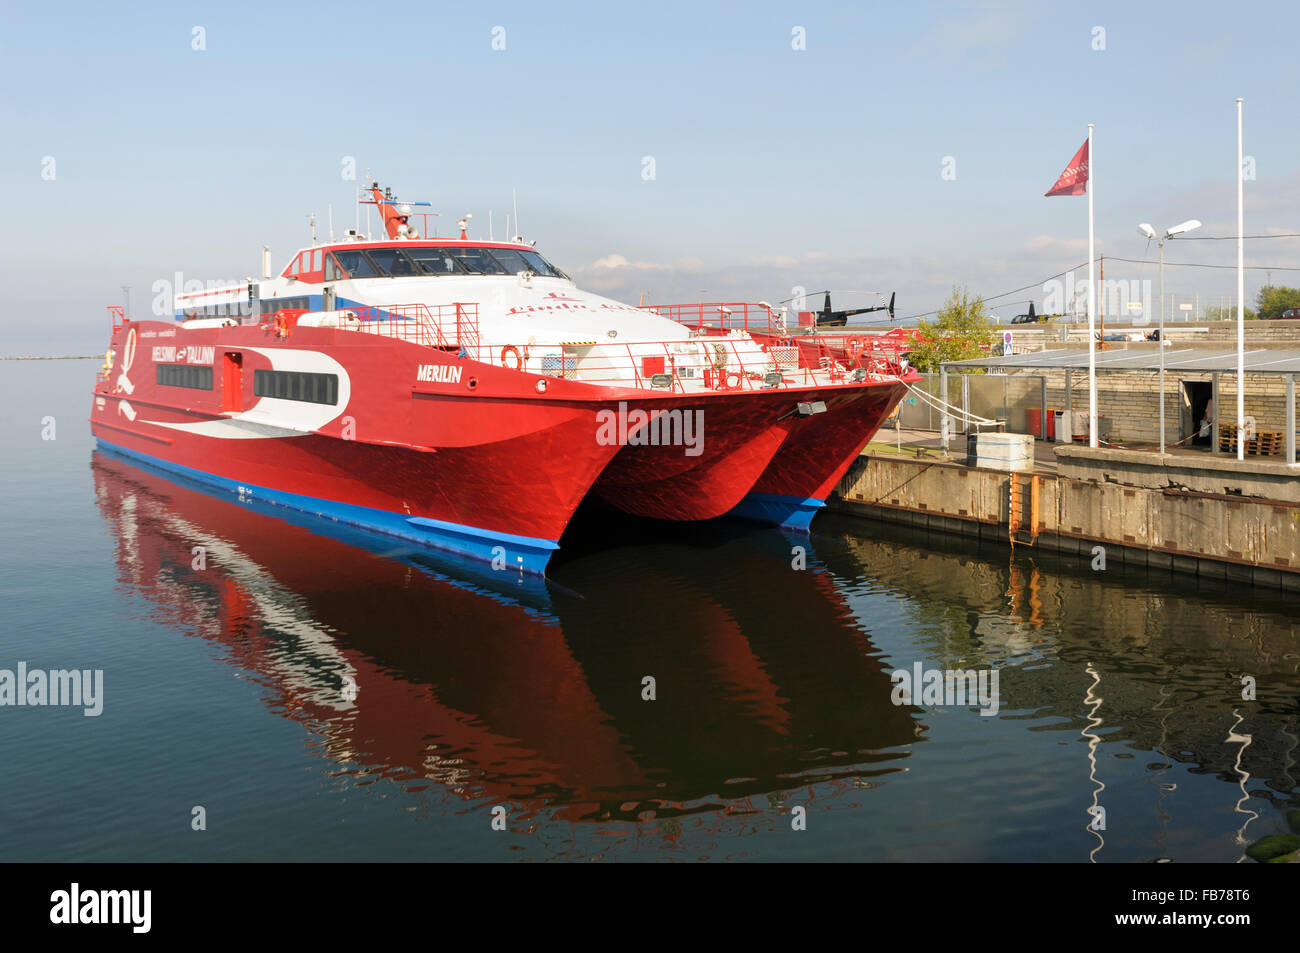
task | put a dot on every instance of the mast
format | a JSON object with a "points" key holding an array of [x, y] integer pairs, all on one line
{"points": [[393, 219]]}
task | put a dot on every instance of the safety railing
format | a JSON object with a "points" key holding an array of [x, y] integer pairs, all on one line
{"points": [[875, 353], [698, 365], [447, 326], [117, 313], [721, 316]]}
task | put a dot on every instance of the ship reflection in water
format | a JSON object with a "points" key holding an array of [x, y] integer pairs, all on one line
{"points": [[504, 688], [463, 689]]}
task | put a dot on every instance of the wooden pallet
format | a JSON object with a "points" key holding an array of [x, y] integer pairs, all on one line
{"points": [[1265, 443]]}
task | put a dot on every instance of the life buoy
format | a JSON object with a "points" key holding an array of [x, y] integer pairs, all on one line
{"points": [[733, 380], [506, 352]]}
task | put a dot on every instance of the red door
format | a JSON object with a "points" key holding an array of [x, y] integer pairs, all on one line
{"points": [[232, 383]]}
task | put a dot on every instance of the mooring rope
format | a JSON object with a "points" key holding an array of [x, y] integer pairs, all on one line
{"points": [[948, 408]]}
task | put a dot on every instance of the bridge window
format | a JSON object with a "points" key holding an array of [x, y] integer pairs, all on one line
{"points": [[477, 261], [356, 264], [435, 261], [512, 261], [297, 385], [391, 261], [196, 377], [541, 265]]}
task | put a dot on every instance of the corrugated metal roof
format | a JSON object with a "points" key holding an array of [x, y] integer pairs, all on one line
{"points": [[1200, 359]]}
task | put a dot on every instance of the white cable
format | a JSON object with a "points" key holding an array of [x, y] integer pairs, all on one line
{"points": [[948, 408]]}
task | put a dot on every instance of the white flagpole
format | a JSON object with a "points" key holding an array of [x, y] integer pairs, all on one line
{"points": [[1092, 304], [1241, 303]]}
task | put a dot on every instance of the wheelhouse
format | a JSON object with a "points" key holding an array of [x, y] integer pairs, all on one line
{"points": [[413, 259]]}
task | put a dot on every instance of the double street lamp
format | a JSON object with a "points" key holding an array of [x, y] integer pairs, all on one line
{"points": [[1149, 233]]}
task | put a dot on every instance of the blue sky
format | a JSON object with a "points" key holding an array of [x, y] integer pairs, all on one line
{"points": [[774, 167]]}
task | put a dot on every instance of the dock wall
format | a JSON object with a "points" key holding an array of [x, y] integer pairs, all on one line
{"points": [[1148, 520]]}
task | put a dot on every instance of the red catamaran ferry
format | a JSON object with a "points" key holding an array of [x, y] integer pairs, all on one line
{"points": [[466, 395]]}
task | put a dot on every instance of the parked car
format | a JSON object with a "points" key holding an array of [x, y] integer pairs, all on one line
{"points": [[1286, 315]]}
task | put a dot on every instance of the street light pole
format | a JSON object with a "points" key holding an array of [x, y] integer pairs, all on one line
{"points": [[1162, 344], [1147, 232]]}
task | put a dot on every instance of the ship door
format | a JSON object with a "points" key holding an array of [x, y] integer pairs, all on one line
{"points": [[327, 299], [232, 383]]}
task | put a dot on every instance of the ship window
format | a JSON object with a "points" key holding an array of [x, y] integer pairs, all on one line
{"points": [[477, 261], [297, 385], [512, 261], [272, 305], [435, 261], [315, 260], [541, 265], [196, 377], [330, 273], [391, 261], [356, 264]]}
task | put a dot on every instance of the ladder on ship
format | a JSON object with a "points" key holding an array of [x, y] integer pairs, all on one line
{"points": [[1023, 493]]}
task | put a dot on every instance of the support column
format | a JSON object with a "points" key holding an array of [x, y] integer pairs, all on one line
{"points": [[1214, 396], [945, 419], [1290, 418], [1042, 390], [965, 403], [1069, 401]]}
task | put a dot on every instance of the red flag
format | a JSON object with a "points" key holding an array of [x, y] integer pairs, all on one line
{"points": [[1074, 180]]}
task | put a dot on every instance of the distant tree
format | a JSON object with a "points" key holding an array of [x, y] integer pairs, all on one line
{"points": [[1229, 313], [1272, 300], [962, 330]]}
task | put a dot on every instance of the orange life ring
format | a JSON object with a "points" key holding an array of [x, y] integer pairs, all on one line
{"points": [[508, 350]]}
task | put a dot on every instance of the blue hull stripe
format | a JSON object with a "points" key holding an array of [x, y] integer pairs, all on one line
{"points": [[518, 553], [790, 512]]}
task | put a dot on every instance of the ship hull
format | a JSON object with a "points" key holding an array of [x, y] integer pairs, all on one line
{"points": [[506, 551], [815, 454], [428, 446]]}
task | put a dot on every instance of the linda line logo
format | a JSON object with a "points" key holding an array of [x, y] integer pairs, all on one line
{"points": [[946, 688], [37, 688], [653, 428], [77, 906]]}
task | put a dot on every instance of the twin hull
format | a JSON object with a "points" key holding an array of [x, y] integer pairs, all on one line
{"points": [[431, 447]]}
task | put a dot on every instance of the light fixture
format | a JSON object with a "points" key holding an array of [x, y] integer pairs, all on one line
{"points": [[1149, 233], [1186, 226]]}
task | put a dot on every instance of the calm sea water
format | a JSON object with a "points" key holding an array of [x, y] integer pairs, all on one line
{"points": [[325, 695]]}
